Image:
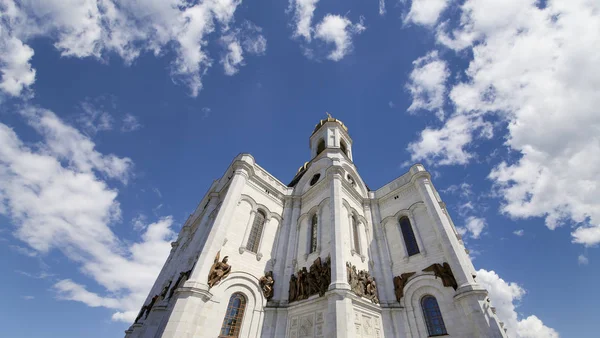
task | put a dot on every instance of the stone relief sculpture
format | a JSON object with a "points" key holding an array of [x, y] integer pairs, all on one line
{"points": [[292, 293], [399, 283], [314, 280], [218, 271], [361, 283], [266, 284], [444, 272]]}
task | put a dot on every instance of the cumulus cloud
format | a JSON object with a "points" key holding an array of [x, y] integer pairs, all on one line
{"points": [[426, 12], [303, 15], [238, 41], [534, 68], [427, 84], [505, 297], [381, 7], [58, 197], [519, 233], [473, 227], [97, 28], [338, 30], [447, 144], [332, 29], [130, 123]]}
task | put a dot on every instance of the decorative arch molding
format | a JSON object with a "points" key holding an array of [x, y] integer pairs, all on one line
{"points": [[256, 206], [408, 212], [302, 187], [315, 209], [248, 285], [353, 211], [417, 288]]}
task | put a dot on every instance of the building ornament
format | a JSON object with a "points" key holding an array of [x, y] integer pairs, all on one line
{"points": [[309, 282], [266, 284], [444, 272], [400, 282], [218, 271], [361, 283]]}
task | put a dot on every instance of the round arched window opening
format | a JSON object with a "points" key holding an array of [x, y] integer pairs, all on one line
{"points": [[314, 179], [320, 146]]}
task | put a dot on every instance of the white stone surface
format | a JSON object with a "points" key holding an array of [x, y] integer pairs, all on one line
{"points": [[221, 223]]}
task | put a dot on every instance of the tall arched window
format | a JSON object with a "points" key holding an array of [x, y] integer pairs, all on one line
{"points": [[343, 147], [433, 316], [313, 233], [232, 323], [256, 231], [355, 234], [320, 146], [409, 236]]}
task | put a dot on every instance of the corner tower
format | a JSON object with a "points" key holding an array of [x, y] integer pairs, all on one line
{"points": [[323, 256]]}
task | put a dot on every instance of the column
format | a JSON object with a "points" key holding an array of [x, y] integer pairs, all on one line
{"points": [[292, 249], [381, 272], [340, 236]]}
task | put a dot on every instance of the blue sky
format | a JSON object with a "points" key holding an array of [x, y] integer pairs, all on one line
{"points": [[115, 119]]}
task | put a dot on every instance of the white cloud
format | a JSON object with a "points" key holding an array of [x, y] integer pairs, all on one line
{"points": [[505, 297], [233, 58], [130, 123], [381, 7], [94, 119], [427, 84], [23, 250], [303, 14], [426, 12], [338, 30], [534, 68], [95, 28], [57, 196], [519, 233], [17, 73], [474, 226], [28, 297], [582, 260], [447, 144]]}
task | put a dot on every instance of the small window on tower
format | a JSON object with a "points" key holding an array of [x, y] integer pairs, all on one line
{"points": [[314, 179], [320, 146]]}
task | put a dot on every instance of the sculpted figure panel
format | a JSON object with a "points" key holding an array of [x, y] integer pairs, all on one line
{"points": [[314, 280], [361, 283], [218, 271], [444, 272], [399, 283], [266, 284]]}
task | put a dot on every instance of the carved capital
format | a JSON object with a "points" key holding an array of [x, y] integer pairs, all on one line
{"points": [[259, 256], [242, 250]]}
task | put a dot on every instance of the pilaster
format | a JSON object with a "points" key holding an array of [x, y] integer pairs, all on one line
{"points": [[339, 233]]}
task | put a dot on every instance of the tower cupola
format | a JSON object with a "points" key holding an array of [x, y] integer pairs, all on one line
{"points": [[330, 133]]}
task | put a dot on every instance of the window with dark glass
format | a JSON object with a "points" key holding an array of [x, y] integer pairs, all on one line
{"points": [[355, 233], [320, 146], [433, 317], [232, 323], [315, 179], [313, 233], [409, 236], [256, 231], [343, 147]]}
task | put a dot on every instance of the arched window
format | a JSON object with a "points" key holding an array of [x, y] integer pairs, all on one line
{"points": [[320, 146], [313, 233], [409, 236], [256, 231], [433, 316], [343, 147], [355, 234], [232, 323]]}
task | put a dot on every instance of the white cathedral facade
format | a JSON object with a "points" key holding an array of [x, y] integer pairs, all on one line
{"points": [[323, 256]]}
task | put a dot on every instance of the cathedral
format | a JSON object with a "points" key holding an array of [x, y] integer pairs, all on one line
{"points": [[322, 256]]}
